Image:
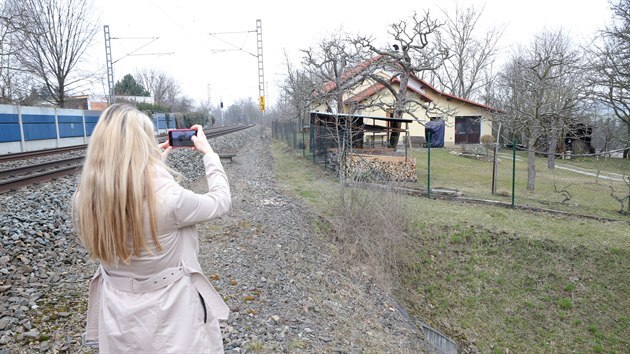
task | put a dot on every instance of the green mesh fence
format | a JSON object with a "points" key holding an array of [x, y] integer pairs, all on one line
{"points": [[596, 185]]}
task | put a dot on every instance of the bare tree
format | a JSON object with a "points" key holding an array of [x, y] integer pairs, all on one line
{"points": [[333, 71], [15, 82], [58, 33], [328, 68], [297, 91], [163, 88], [541, 88], [607, 134], [469, 65], [205, 107], [182, 104], [242, 111], [611, 69], [415, 49]]}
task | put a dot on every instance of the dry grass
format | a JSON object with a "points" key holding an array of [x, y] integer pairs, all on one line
{"points": [[493, 279], [373, 227]]}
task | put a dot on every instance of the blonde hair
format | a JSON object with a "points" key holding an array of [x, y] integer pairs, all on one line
{"points": [[116, 185]]}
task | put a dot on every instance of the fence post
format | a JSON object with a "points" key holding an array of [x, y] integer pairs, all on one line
{"points": [[303, 139], [295, 133], [429, 164], [57, 135], [84, 128], [21, 123], [311, 143], [513, 169], [495, 169]]}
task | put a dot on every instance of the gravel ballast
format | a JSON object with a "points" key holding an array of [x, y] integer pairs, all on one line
{"points": [[285, 285]]}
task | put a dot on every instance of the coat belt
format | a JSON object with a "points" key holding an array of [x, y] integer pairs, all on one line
{"points": [[160, 280]]}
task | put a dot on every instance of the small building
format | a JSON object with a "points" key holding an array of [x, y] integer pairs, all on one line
{"points": [[361, 142], [466, 121]]}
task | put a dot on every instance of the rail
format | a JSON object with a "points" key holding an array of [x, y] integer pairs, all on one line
{"points": [[26, 175]]}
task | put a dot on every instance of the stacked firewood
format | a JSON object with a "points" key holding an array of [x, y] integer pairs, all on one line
{"points": [[372, 168]]}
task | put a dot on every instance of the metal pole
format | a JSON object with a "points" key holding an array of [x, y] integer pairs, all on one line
{"points": [[429, 164], [303, 138], [312, 136], [513, 169], [110, 65], [495, 162], [494, 169], [261, 74]]}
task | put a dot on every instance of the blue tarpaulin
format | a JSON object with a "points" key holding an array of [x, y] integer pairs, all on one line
{"points": [[436, 129]]}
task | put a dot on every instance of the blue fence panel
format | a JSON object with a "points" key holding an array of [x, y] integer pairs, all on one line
{"points": [[9, 132], [38, 118], [70, 126], [161, 122], [9, 127], [171, 122], [9, 118], [70, 119], [90, 123], [39, 127]]}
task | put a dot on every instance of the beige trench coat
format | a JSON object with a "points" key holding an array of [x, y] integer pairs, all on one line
{"points": [[154, 303]]}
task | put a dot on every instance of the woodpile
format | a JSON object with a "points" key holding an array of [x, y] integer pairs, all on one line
{"points": [[376, 168]]}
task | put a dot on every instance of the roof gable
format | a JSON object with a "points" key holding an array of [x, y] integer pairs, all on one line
{"points": [[376, 88]]}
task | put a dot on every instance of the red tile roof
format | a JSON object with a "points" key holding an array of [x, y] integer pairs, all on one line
{"points": [[378, 87], [372, 90]]}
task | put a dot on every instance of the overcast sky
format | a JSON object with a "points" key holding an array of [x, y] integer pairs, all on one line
{"points": [[202, 57]]}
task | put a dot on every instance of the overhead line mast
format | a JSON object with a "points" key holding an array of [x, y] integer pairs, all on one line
{"points": [[261, 74], [110, 65]]}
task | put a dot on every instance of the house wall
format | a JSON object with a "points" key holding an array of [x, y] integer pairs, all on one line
{"points": [[455, 107], [458, 108]]}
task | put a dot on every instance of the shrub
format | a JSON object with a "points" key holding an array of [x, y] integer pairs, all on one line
{"points": [[487, 139]]}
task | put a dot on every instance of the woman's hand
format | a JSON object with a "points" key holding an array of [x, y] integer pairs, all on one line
{"points": [[165, 149], [200, 140]]}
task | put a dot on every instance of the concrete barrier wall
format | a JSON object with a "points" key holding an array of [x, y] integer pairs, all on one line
{"points": [[24, 128], [163, 122]]}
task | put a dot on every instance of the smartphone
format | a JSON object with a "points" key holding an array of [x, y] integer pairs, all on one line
{"points": [[181, 137]]}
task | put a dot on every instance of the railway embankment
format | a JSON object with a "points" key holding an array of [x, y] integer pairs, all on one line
{"points": [[286, 288]]}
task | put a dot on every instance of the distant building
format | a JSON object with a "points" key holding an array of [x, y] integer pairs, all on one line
{"points": [[90, 102], [99, 103]]}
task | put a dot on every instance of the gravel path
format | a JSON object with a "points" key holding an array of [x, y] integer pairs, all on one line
{"points": [[286, 287]]}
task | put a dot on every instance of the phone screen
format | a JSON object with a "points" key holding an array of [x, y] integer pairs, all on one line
{"points": [[181, 137]]}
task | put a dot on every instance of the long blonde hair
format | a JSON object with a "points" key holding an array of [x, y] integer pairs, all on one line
{"points": [[116, 185]]}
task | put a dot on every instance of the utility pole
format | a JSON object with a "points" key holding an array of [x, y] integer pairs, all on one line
{"points": [[259, 57], [110, 63], [261, 75], [110, 66]]}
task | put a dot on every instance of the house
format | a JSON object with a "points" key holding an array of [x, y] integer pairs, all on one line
{"points": [[99, 102], [91, 102], [465, 121]]}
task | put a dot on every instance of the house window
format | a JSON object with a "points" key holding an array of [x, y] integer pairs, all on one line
{"points": [[467, 129]]}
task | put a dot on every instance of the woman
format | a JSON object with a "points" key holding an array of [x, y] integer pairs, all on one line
{"points": [[149, 294]]}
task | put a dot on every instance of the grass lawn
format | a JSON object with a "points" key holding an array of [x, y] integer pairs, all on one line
{"points": [[494, 278], [581, 186]]}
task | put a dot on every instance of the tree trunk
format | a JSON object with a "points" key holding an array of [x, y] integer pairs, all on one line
{"points": [[626, 152], [552, 144], [394, 136], [531, 163]]}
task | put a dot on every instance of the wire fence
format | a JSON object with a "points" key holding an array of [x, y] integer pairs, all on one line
{"points": [[596, 185]]}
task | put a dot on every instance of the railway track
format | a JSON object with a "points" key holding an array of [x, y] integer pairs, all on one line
{"points": [[13, 178]]}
